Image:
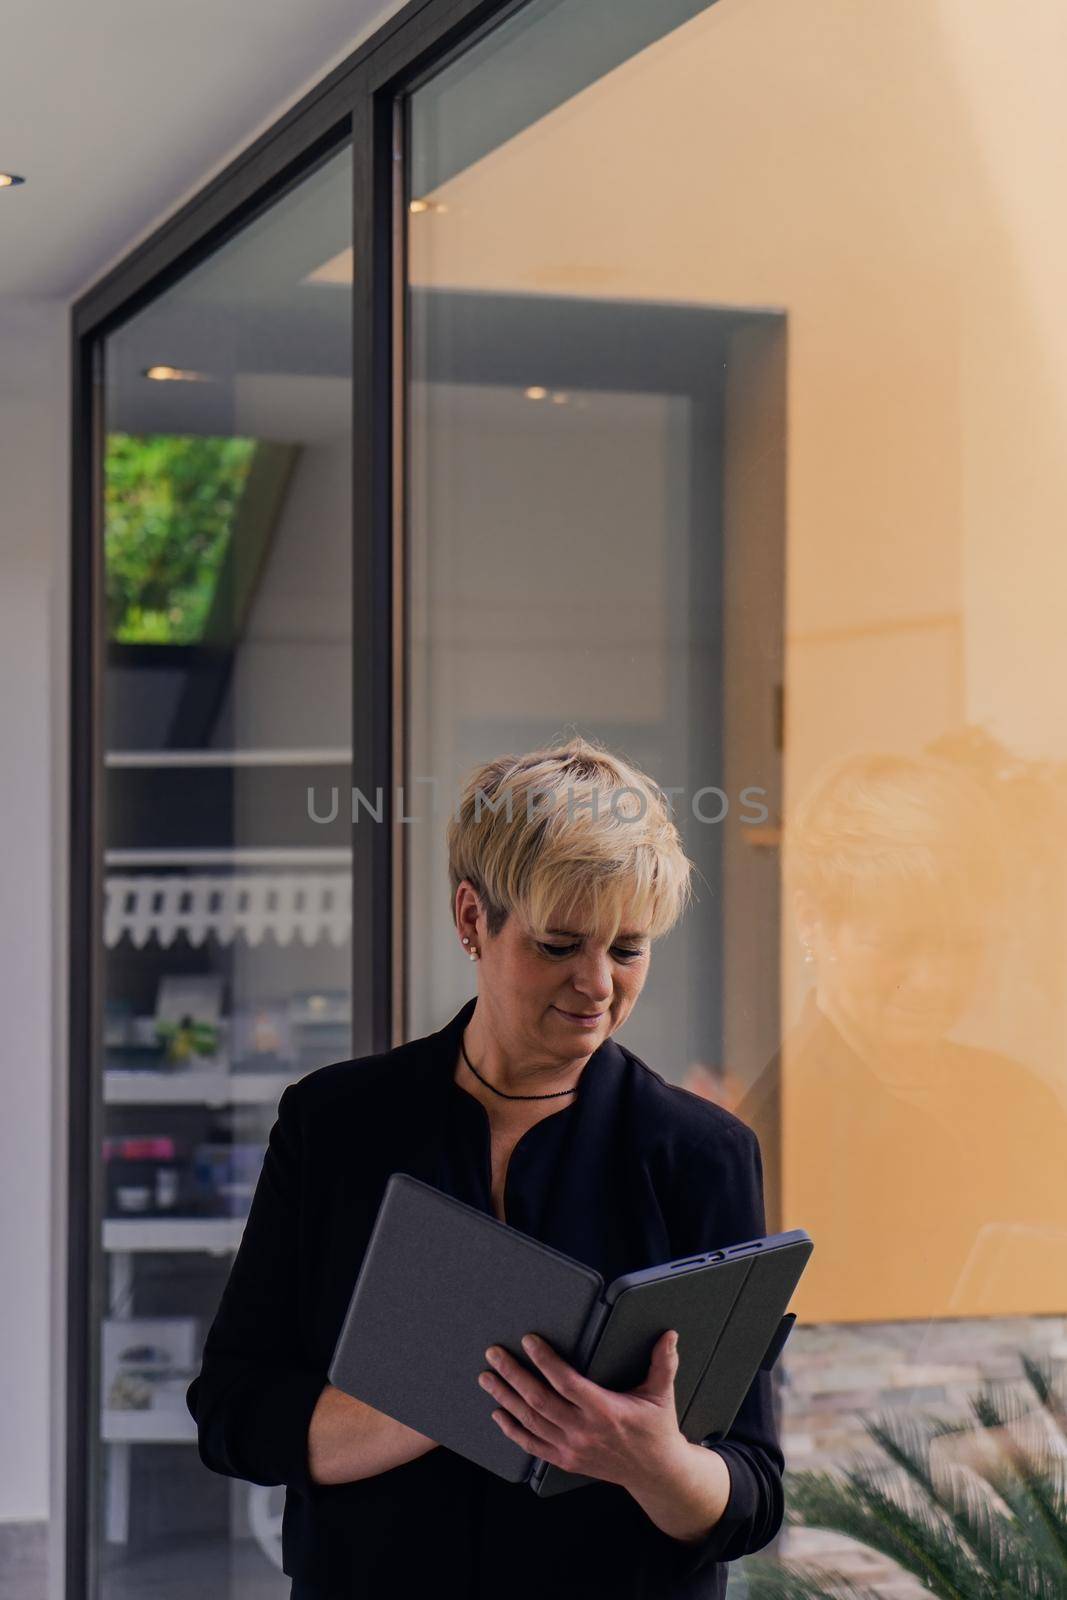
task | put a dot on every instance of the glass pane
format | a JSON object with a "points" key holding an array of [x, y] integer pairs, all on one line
{"points": [[228, 876], [734, 443]]}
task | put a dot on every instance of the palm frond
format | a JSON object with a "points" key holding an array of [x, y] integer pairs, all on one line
{"points": [[1033, 1489], [1042, 1379], [768, 1579], [1004, 1545], [918, 1539], [990, 1536]]}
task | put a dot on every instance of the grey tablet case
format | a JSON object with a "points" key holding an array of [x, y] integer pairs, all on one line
{"points": [[441, 1281]]}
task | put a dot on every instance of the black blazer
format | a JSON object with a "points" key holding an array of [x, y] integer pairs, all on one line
{"points": [[632, 1172]]}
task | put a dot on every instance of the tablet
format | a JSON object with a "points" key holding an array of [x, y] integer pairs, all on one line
{"points": [[728, 1307], [442, 1280]]}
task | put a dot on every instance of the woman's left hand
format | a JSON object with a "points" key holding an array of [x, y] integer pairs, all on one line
{"points": [[626, 1438]]}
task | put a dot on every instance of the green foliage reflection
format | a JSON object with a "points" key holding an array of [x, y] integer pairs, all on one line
{"points": [[170, 502]]}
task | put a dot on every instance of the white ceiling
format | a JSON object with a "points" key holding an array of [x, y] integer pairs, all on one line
{"points": [[117, 111]]}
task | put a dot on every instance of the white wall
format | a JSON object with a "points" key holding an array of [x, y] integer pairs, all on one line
{"points": [[33, 653], [34, 643]]}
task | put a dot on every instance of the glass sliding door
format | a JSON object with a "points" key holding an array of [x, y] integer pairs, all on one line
{"points": [[227, 869], [734, 354]]}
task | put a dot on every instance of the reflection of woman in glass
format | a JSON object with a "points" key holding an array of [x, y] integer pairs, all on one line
{"points": [[929, 1171], [564, 866]]}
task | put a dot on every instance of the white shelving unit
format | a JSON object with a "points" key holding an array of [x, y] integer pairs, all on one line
{"points": [[132, 1088], [218, 1236], [152, 1426], [294, 893], [124, 1237]]}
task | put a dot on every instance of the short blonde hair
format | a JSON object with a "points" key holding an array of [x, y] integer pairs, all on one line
{"points": [[567, 829], [880, 834]]}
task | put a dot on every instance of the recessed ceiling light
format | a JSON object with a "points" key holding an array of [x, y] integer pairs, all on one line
{"points": [[559, 398], [419, 206], [535, 392], [8, 180], [175, 375]]}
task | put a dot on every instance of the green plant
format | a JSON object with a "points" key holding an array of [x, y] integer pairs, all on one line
{"points": [[169, 506], [975, 1509]]}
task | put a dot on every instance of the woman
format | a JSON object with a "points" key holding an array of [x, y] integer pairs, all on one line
{"points": [[564, 867], [929, 1170]]}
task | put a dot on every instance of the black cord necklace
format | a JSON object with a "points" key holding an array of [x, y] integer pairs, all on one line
{"points": [[504, 1096]]}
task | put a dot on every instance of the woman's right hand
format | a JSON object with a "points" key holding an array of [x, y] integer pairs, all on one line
{"points": [[348, 1439]]}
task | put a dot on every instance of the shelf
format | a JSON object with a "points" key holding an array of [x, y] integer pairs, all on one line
{"points": [[151, 1426], [311, 906], [124, 1088], [218, 1236], [228, 758], [296, 855]]}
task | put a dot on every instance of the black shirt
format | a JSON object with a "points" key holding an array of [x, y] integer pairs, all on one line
{"points": [[631, 1171]]}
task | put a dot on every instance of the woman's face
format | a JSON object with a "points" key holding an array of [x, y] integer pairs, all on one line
{"points": [[561, 995], [902, 979]]}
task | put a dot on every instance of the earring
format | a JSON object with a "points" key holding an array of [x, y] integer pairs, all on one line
{"points": [[473, 953], [809, 953]]}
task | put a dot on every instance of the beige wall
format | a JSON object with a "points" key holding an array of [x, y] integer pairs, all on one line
{"points": [[888, 176]]}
